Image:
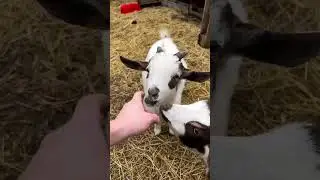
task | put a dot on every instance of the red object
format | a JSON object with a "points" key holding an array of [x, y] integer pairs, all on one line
{"points": [[129, 7]]}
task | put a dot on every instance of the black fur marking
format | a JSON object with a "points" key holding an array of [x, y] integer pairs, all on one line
{"points": [[182, 68], [191, 140], [175, 79], [147, 73]]}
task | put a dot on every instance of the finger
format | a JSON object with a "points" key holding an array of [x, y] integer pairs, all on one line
{"points": [[137, 99], [137, 96], [154, 118], [93, 105]]}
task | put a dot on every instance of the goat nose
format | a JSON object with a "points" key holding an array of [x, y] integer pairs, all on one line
{"points": [[153, 92]]}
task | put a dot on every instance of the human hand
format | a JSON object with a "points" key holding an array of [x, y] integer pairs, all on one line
{"points": [[77, 150], [91, 110], [133, 117]]}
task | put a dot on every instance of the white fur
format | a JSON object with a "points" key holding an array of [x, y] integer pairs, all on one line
{"points": [[163, 65], [179, 115]]}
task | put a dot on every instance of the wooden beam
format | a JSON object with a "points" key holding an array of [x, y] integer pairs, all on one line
{"points": [[206, 25]]}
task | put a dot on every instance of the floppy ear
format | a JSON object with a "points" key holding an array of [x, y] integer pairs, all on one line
{"points": [[136, 65], [195, 76], [86, 13], [284, 49]]}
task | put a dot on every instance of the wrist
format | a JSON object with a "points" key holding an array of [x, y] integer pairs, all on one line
{"points": [[118, 131]]}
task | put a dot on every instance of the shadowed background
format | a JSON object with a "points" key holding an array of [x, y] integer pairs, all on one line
{"points": [[45, 66]]}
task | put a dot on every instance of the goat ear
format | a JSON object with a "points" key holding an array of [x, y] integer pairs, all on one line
{"points": [[232, 35], [196, 76], [86, 13], [284, 49], [136, 65]]}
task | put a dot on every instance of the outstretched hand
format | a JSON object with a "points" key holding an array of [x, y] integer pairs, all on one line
{"points": [[134, 116], [76, 150]]}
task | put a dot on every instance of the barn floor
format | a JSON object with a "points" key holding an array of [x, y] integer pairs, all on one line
{"points": [[147, 156], [266, 96]]}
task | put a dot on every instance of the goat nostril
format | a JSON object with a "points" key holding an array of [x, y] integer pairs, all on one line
{"points": [[153, 92], [166, 107]]}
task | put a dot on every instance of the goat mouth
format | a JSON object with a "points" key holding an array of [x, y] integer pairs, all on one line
{"points": [[150, 102]]}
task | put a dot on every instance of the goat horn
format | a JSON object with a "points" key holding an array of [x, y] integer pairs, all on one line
{"points": [[180, 55]]}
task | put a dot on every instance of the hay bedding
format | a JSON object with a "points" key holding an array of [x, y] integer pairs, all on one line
{"points": [[147, 156], [45, 66], [268, 96]]}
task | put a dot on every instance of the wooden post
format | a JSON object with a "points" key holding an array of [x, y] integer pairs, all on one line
{"points": [[206, 25]]}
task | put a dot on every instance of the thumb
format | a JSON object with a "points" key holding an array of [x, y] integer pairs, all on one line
{"points": [[93, 106], [137, 96], [154, 118]]}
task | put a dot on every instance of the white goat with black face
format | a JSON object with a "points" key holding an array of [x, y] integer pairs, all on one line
{"points": [[191, 123], [164, 75]]}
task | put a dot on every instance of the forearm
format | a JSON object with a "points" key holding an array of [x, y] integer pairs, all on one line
{"points": [[118, 132], [236, 158], [65, 152]]}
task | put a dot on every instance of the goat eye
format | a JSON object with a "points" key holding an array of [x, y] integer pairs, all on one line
{"points": [[195, 131]]}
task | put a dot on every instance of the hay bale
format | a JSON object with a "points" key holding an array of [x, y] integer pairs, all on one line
{"points": [[147, 156]]}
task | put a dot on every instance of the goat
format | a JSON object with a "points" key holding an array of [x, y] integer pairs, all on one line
{"points": [[233, 38], [164, 74], [191, 123]]}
